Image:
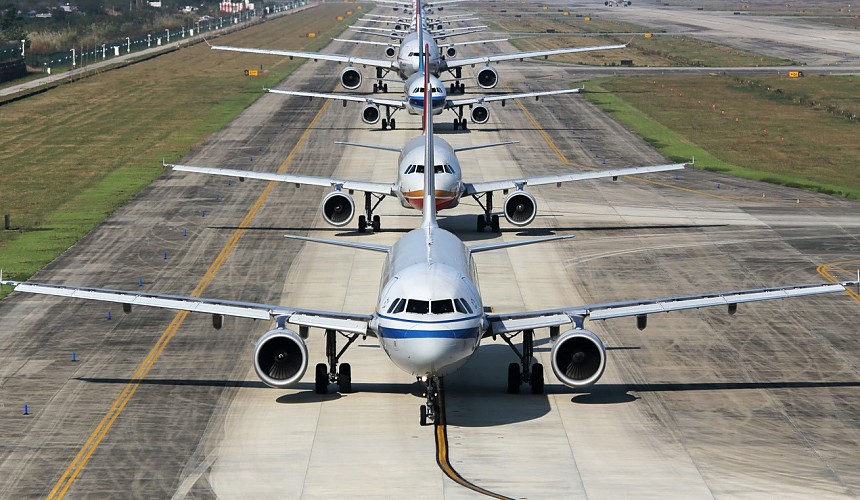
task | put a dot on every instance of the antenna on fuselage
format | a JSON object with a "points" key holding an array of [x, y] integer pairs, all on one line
{"points": [[429, 167]]}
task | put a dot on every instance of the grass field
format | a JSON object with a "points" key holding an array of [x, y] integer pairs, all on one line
{"points": [[796, 132], [75, 154]]}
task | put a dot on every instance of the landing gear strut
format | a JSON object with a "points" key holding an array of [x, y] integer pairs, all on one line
{"points": [[370, 220], [380, 86], [525, 371], [459, 122], [488, 218], [429, 412], [325, 375]]}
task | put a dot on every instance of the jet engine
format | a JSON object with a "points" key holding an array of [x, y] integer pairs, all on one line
{"points": [[280, 358], [488, 78], [480, 113], [578, 358], [338, 208], [451, 52], [350, 78], [390, 52], [370, 114], [520, 208]]}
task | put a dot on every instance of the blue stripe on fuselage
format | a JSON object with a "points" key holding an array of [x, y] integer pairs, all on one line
{"points": [[449, 333], [436, 102]]}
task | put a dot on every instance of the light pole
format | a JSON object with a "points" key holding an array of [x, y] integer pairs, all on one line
{"points": [[23, 43], [168, 34], [128, 44]]}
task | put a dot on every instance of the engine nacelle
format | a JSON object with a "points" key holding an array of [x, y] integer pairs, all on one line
{"points": [[487, 78], [280, 358], [451, 52], [390, 52], [480, 113], [520, 208], [370, 114], [350, 78], [338, 208], [578, 358]]}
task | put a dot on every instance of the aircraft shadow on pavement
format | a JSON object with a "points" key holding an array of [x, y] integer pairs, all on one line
{"points": [[619, 393], [252, 384]]}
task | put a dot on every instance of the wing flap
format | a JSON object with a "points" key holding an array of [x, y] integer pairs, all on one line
{"points": [[526, 55], [343, 325]]}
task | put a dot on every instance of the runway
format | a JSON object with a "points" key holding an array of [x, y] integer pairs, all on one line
{"points": [[698, 405]]}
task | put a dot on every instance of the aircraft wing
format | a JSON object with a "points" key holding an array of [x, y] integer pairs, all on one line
{"points": [[482, 146], [474, 42], [370, 146], [471, 61], [473, 188], [465, 30], [354, 323], [352, 60], [391, 103], [457, 103], [367, 187], [363, 42], [515, 322]]}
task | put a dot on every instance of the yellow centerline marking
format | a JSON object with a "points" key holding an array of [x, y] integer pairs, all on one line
{"points": [[826, 271], [101, 430], [441, 431]]}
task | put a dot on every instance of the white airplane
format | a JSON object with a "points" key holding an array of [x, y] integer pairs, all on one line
{"points": [[338, 208], [405, 59], [429, 317], [414, 102]]}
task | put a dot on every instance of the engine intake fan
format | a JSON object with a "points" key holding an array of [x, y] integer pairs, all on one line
{"points": [[280, 358], [520, 208], [578, 358], [338, 208]]}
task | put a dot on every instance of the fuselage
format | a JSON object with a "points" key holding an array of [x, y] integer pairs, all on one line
{"points": [[429, 317], [409, 55], [410, 175], [414, 89]]}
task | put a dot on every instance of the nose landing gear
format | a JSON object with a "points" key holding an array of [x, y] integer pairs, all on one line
{"points": [[430, 412]]}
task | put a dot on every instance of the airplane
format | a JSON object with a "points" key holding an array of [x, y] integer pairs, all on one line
{"points": [[429, 318], [405, 59], [414, 101], [613, 3], [338, 208]]}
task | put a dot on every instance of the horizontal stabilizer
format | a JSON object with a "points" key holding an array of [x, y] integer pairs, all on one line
{"points": [[517, 243], [350, 244]]}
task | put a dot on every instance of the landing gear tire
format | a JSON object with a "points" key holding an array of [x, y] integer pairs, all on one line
{"points": [[456, 124], [463, 124], [537, 378], [494, 223], [392, 124], [514, 378], [422, 415], [377, 224], [480, 226], [321, 379], [451, 89], [462, 88], [384, 124], [375, 88], [362, 224], [385, 87], [344, 379]]}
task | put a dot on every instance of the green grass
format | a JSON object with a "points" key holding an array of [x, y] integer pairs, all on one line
{"points": [[75, 154], [728, 126]]}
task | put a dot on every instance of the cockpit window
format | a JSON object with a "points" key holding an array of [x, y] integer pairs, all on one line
{"points": [[464, 304], [398, 306], [418, 306], [459, 306], [410, 169], [443, 306]]}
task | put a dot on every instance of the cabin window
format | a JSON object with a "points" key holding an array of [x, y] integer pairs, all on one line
{"points": [[418, 306], [443, 306]]}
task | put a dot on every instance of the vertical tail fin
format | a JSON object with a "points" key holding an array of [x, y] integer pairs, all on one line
{"points": [[429, 163]]}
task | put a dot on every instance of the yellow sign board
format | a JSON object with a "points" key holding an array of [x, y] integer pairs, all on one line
{"points": [[340, 18], [566, 13], [349, 12], [587, 19], [312, 35], [795, 74], [648, 35], [252, 72]]}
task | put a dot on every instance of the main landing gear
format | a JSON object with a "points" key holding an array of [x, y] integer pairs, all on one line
{"points": [[380, 86], [525, 371], [459, 122], [370, 220], [430, 411], [389, 123], [330, 374], [487, 219], [457, 88]]}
